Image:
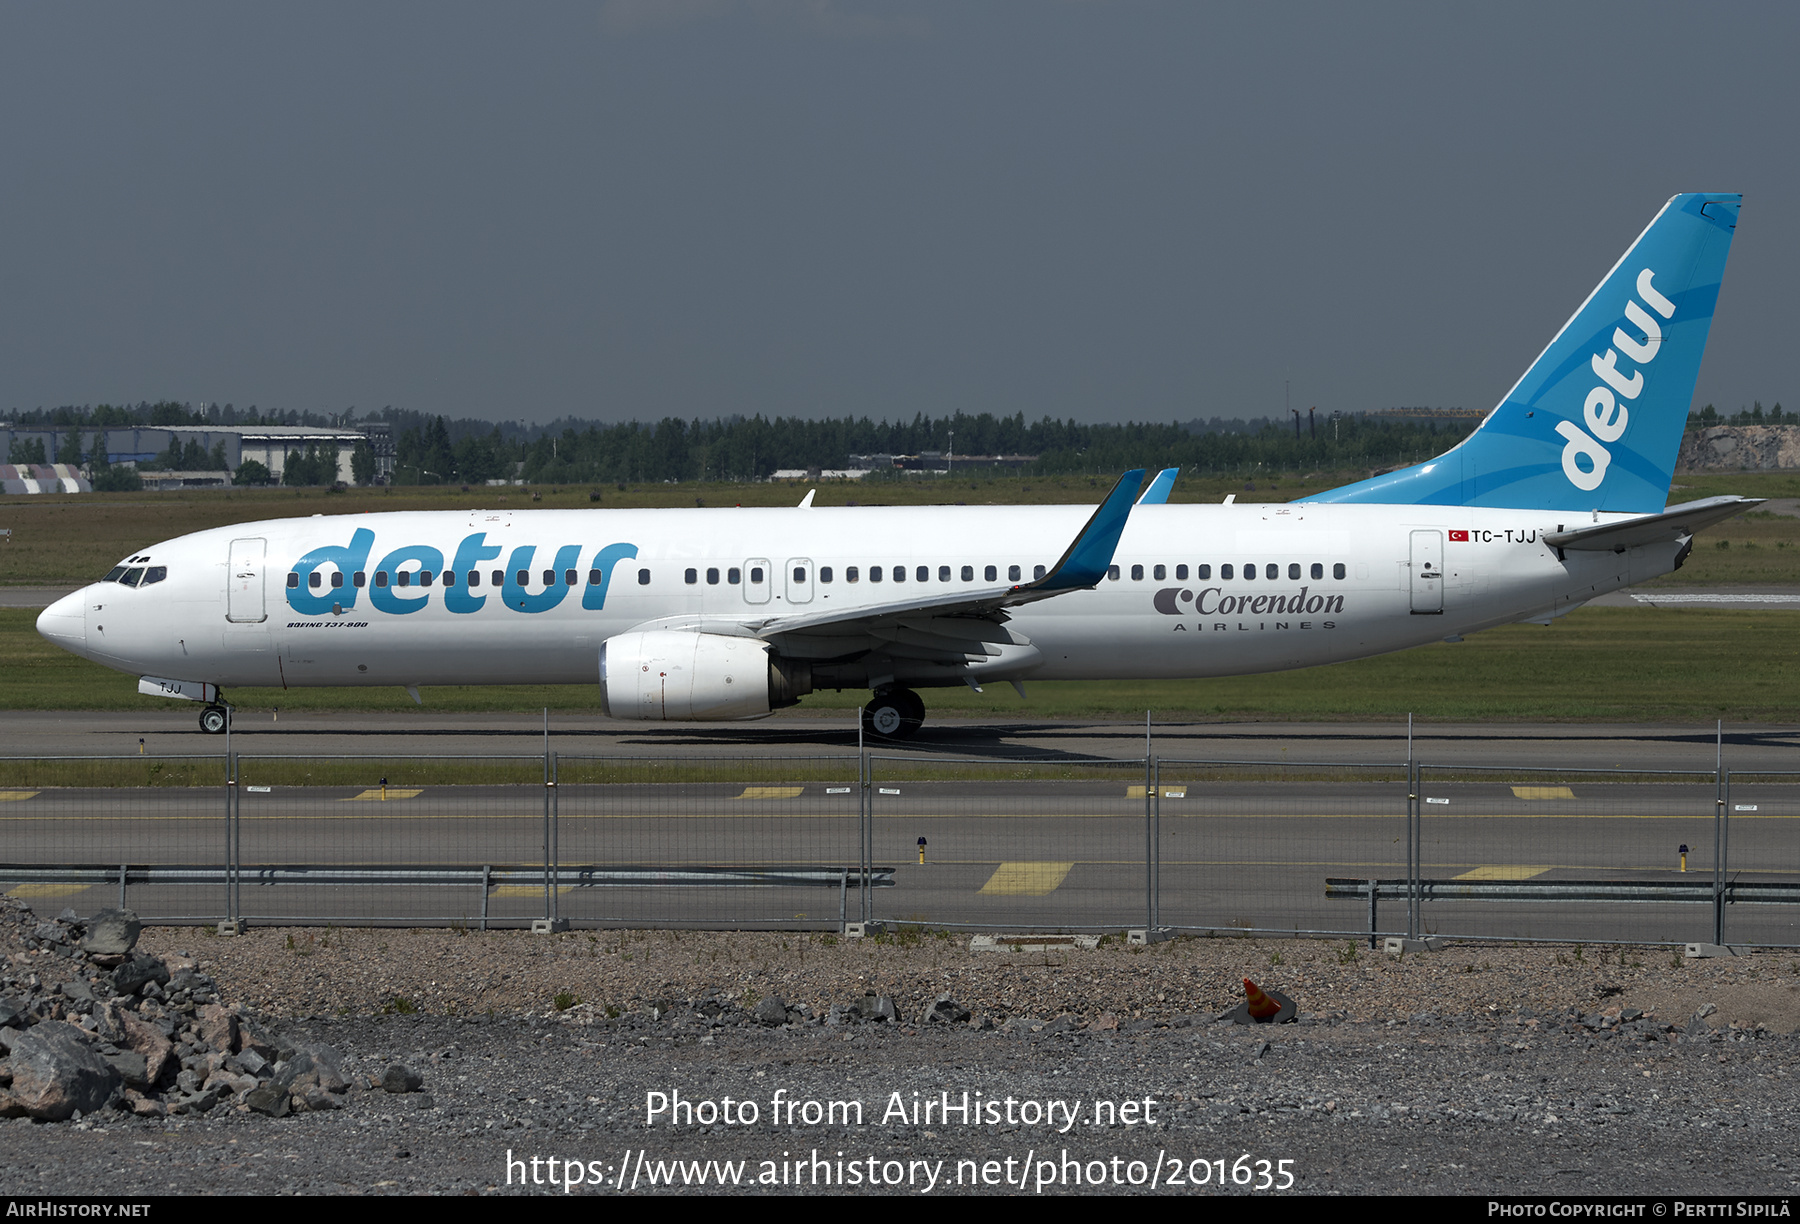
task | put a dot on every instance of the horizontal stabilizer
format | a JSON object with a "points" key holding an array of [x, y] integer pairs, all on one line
{"points": [[1682, 520]]}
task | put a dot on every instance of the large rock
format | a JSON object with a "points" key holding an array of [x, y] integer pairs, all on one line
{"points": [[111, 932], [134, 974], [945, 1010], [132, 1067], [217, 1027], [310, 1075], [401, 1078], [56, 1070], [270, 1099], [875, 1007], [142, 1037]]}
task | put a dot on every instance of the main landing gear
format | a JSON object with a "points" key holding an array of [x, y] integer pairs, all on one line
{"points": [[214, 719], [894, 714]]}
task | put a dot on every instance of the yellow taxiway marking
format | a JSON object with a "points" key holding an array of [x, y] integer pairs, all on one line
{"points": [[378, 794], [527, 890], [1542, 792], [771, 792], [1026, 879], [48, 890], [1502, 873], [1169, 792], [15, 796]]}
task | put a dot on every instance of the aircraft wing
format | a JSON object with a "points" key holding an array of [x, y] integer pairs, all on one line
{"points": [[1671, 524], [966, 625]]}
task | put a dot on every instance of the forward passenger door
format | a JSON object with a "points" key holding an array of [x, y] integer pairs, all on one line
{"points": [[799, 573], [244, 578]]}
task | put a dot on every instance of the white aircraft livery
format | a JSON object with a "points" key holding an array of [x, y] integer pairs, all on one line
{"points": [[1559, 496]]}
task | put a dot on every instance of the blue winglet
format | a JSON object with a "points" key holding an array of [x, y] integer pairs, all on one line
{"points": [[1160, 488], [1087, 559]]}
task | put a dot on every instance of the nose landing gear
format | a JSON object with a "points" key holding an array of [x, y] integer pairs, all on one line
{"points": [[214, 719], [894, 714]]}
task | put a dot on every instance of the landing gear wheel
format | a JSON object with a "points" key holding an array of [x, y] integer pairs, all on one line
{"points": [[213, 719], [894, 714]]}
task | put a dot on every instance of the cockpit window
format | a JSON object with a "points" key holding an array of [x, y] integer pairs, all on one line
{"points": [[132, 576], [156, 573], [114, 574]]}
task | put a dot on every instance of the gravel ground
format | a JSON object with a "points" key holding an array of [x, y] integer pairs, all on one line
{"points": [[1475, 1070]]}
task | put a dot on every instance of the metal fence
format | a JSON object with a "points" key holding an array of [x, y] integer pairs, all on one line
{"points": [[1247, 846], [983, 843], [1359, 850]]}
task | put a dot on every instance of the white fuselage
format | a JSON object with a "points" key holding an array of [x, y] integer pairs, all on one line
{"points": [[1332, 582]]}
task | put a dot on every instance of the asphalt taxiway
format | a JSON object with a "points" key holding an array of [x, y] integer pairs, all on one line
{"points": [[417, 733]]}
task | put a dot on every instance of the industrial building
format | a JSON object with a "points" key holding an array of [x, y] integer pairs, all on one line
{"points": [[134, 445]]}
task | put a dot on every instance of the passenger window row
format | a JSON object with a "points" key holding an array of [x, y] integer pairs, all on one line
{"points": [[1270, 571], [876, 573], [407, 578], [144, 576]]}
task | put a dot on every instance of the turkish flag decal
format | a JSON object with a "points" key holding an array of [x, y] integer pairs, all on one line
{"points": [[1461, 536]]}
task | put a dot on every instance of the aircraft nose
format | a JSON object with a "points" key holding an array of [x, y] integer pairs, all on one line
{"points": [[65, 622]]}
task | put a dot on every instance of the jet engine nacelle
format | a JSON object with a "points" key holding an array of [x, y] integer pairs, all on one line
{"points": [[662, 675]]}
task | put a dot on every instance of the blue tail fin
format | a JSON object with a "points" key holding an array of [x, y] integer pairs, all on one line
{"points": [[1157, 493], [1596, 422]]}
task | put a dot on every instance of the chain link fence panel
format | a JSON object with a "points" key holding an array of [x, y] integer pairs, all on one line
{"points": [[709, 841], [1762, 846], [426, 829], [131, 820], [1010, 845], [1248, 846], [1562, 830]]}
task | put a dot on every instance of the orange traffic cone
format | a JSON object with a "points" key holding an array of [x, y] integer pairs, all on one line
{"points": [[1261, 1007]]}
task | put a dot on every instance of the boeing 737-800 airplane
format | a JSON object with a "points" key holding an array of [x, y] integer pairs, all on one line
{"points": [[1559, 496]]}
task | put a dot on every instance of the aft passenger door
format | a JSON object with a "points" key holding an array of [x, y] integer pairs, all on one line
{"points": [[1427, 573], [756, 580]]}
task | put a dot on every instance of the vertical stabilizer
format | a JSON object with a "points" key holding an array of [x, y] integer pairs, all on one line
{"points": [[1596, 422], [1157, 494]]}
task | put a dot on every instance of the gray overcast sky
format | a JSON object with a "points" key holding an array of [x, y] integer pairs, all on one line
{"points": [[1105, 211]]}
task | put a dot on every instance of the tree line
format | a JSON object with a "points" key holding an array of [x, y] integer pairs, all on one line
{"points": [[438, 450], [753, 448]]}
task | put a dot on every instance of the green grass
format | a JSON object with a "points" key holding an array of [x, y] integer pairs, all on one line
{"points": [[1741, 552], [1608, 664], [727, 776], [1691, 486], [526, 775], [35, 773]]}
